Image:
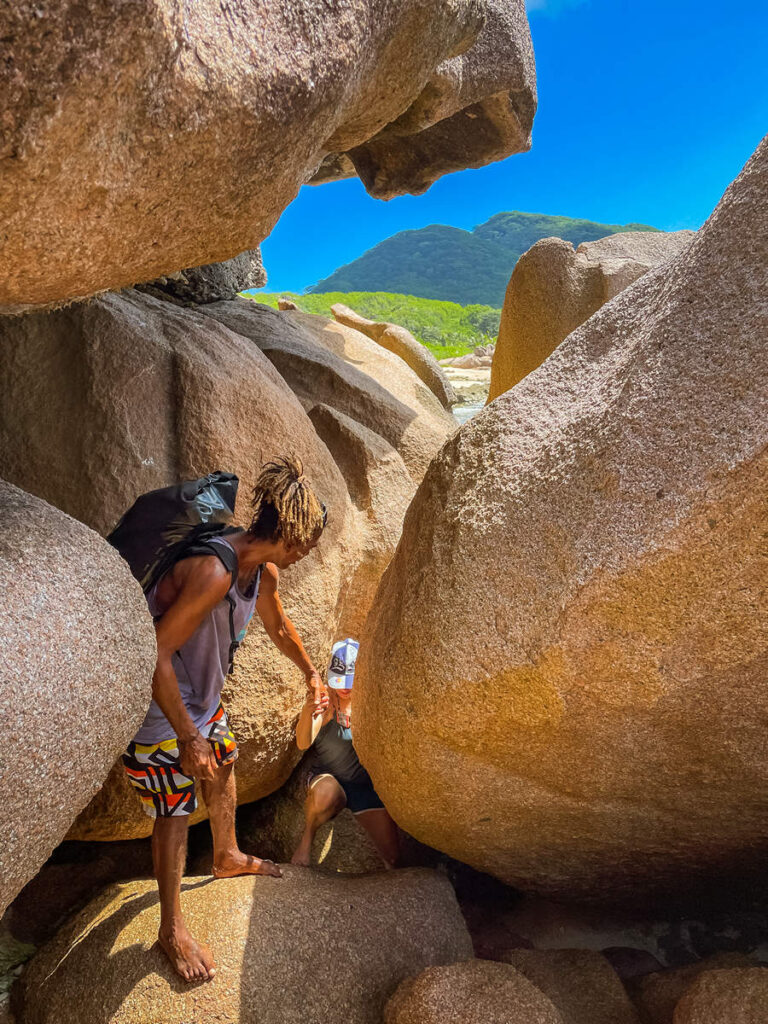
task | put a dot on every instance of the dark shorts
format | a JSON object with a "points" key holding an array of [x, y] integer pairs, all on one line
{"points": [[360, 794], [154, 769]]}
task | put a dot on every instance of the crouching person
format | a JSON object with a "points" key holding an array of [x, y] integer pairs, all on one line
{"points": [[334, 777]]}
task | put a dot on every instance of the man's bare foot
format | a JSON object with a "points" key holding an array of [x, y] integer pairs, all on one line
{"points": [[239, 863], [302, 856], [190, 958]]}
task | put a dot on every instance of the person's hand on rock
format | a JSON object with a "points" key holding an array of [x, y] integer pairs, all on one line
{"points": [[318, 691]]}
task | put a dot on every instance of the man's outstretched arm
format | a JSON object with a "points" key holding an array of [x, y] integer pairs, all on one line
{"points": [[284, 635]]}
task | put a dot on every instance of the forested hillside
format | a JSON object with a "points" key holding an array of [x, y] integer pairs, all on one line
{"points": [[467, 267]]}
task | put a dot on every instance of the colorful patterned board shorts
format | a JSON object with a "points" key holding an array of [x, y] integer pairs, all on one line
{"points": [[154, 770]]}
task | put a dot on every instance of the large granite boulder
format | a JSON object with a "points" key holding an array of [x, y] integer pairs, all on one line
{"points": [[567, 653], [108, 399], [400, 341], [717, 997], [555, 288], [325, 362], [381, 489], [78, 651], [582, 985], [657, 994], [307, 947], [472, 992], [461, 118], [142, 139]]}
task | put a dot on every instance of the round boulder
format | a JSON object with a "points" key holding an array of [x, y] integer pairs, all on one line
{"points": [[78, 651], [473, 992], [306, 947], [563, 675]]}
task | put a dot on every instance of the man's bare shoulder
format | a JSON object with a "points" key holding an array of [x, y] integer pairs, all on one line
{"points": [[202, 574], [270, 577]]}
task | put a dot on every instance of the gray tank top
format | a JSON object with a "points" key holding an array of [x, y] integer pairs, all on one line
{"points": [[202, 663]]}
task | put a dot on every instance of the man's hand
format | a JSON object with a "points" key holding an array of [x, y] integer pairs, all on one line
{"points": [[318, 692], [197, 758]]}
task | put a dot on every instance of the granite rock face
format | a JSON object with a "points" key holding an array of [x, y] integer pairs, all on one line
{"points": [[605, 523], [473, 992], [477, 107], [150, 394], [736, 996], [381, 489], [325, 362], [582, 985], [78, 652], [657, 994], [267, 936], [164, 135], [555, 288], [214, 282], [400, 341]]}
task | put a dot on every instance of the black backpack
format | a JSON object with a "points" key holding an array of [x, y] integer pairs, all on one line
{"points": [[163, 527]]}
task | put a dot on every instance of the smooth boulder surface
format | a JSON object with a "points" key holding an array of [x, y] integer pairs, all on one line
{"points": [[717, 997], [603, 526], [150, 393], [381, 488], [474, 992], [78, 651], [400, 341], [555, 288], [325, 362], [162, 136], [582, 985], [214, 282], [307, 947], [461, 119], [657, 994]]}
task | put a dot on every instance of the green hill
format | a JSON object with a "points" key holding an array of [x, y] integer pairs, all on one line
{"points": [[446, 328], [442, 262]]}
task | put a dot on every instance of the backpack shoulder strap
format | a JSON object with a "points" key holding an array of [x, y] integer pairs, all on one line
{"points": [[228, 559], [223, 552]]}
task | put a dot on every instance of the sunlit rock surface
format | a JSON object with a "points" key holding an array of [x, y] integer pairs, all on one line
{"points": [[141, 139], [555, 288], [563, 681]]}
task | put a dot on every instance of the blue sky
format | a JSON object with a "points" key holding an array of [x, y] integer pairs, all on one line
{"points": [[647, 110]]}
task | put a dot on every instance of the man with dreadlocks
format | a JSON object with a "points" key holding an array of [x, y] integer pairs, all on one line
{"points": [[186, 737]]}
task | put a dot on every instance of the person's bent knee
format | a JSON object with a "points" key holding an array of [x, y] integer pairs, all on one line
{"points": [[327, 797]]}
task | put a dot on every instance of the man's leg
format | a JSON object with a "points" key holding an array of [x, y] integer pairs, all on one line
{"points": [[324, 801], [383, 831], [191, 959], [228, 860]]}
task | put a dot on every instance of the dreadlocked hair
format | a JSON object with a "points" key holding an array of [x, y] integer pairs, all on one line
{"points": [[284, 505]]}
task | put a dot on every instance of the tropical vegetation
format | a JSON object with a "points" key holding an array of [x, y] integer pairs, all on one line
{"points": [[446, 328]]}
